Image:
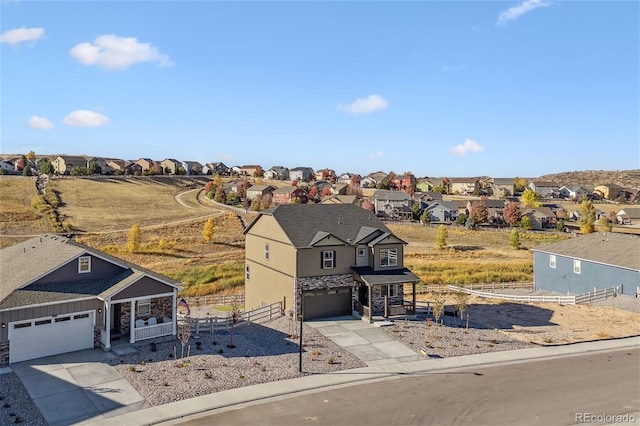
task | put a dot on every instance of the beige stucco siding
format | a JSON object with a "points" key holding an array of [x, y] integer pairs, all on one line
{"points": [[46, 311], [376, 262], [266, 285], [309, 261]]}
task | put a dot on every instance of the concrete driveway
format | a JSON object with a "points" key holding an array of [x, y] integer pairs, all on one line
{"points": [[366, 341], [78, 387]]}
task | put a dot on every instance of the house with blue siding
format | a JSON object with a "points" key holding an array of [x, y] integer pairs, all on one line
{"points": [[580, 264]]}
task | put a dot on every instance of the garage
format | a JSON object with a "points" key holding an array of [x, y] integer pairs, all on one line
{"points": [[327, 303], [47, 336]]}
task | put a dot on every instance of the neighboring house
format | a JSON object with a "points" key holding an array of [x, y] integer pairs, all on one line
{"points": [[7, 166], [541, 218], [349, 178], [216, 168], [404, 181], [277, 173], [392, 204], [501, 187], [340, 199], [425, 197], [259, 191], [340, 189], [426, 184], [465, 186], [544, 188], [609, 191], [628, 216], [368, 182], [133, 168], [336, 258], [59, 296], [596, 260], [495, 208], [441, 211], [236, 186], [304, 174], [289, 194], [325, 174], [192, 167], [118, 166], [251, 170], [170, 166], [574, 192], [146, 164], [63, 164]]}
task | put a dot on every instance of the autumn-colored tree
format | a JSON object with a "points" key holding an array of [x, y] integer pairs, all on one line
{"points": [[134, 238], [437, 306], [31, 155], [441, 237], [604, 225], [220, 196], [258, 172], [313, 191], [562, 214], [207, 231], [411, 189], [325, 174], [479, 212], [511, 213], [294, 182], [519, 184], [354, 190], [587, 217], [217, 180], [531, 198], [326, 191], [514, 238], [367, 205], [612, 216], [525, 222], [355, 180], [446, 186]]}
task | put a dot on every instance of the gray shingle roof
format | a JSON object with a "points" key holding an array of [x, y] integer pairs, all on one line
{"points": [[382, 194], [609, 248], [302, 222], [393, 276]]}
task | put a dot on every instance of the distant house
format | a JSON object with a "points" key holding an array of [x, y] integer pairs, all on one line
{"points": [[465, 186], [628, 215], [392, 204], [170, 166], [368, 182], [325, 174], [340, 199], [349, 178], [441, 211], [7, 166], [544, 188], [192, 167], [146, 164], [580, 264], [609, 191], [340, 189], [501, 187], [277, 173], [541, 217], [426, 184], [495, 208], [257, 191], [577, 192], [404, 181], [289, 194], [216, 168], [379, 177], [251, 170], [304, 174], [63, 164]]}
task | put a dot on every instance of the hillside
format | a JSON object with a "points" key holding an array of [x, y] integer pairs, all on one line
{"points": [[625, 178]]}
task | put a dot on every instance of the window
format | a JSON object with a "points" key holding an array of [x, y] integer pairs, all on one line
{"points": [[576, 266], [144, 307], [84, 264], [266, 251], [328, 259], [62, 319], [43, 322], [362, 252], [552, 261], [247, 273], [388, 257], [393, 290]]}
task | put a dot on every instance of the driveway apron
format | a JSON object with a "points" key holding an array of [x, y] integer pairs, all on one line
{"points": [[78, 387], [368, 342]]}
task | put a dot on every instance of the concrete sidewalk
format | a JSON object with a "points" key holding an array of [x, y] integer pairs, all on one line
{"points": [[259, 393]]}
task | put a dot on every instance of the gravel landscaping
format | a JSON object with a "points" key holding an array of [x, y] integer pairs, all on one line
{"points": [[16, 406]]}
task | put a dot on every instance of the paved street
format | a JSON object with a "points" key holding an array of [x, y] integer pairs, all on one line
{"points": [[545, 392]]}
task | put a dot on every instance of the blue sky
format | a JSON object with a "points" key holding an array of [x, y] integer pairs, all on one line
{"points": [[437, 88]]}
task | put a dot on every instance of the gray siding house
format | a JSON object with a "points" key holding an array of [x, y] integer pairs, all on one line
{"points": [[580, 264]]}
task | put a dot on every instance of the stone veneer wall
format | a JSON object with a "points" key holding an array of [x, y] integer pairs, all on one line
{"points": [[162, 307], [326, 282], [377, 298], [4, 354], [125, 318], [97, 333]]}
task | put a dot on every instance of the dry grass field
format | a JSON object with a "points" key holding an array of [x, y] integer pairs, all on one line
{"points": [[17, 217]]}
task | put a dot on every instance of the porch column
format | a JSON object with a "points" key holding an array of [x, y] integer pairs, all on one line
{"points": [[174, 310], [132, 322], [370, 304], [413, 297], [107, 324]]}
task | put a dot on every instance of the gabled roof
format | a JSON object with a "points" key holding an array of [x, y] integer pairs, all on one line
{"points": [[544, 184], [503, 181], [340, 199], [383, 194], [24, 263], [302, 223], [608, 248], [289, 189]]}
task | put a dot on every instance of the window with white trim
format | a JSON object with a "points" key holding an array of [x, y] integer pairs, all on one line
{"points": [[552, 261], [84, 264], [576, 266], [388, 257], [393, 290], [266, 251], [328, 259], [362, 252], [144, 307]]}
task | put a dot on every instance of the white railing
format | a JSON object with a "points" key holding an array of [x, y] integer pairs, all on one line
{"points": [[473, 286], [213, 324], [151, 331], [216, 300], [597, 295], [565, 300]]}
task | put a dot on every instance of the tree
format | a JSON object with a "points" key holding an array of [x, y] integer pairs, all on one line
{"points": [[45, 167], [31, 155], [604, 225], [183, 334], [462, 219], [207, 231], [531, 198], [217, 180], [587, 217], [425, 217], [560, 225], [519, 184], [446, 186], [514, 239], [27, 171], [234, 316], [134, 238], [258, 172], [525, 222], [325, 174], [94, 168], [326, 191], [462, 300], [438, 306], [181, 171], [479, 212], [220, 196], [313, 192], [441, 237], [512, 214]]}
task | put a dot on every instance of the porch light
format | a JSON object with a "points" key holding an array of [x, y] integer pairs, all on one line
{"points": [[4, 325], [99, 310]]}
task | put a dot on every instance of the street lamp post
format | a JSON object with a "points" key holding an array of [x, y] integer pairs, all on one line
{"points": [[301, 320]]}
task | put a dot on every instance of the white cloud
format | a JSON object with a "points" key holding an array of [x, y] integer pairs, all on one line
{"points": [[39, 123], [112, 52], [84, 118], [20, 35], [366, 105], [515, 12], [465, 148], [376, 155]]}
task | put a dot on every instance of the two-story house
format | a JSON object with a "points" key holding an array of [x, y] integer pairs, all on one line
{"points": [[501, 187], [170, 166], [577, 192], [289, 194], [336, 258], [63, 164], [392, 204], [544, 188], [465, 186], [304, 174], [277, 173], [216, 168]]}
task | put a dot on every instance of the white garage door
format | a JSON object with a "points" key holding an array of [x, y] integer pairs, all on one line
{"points": [[50, 336]]}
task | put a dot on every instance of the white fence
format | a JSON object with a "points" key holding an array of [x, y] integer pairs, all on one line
{"points": [[476, 286], [596, 295], [151, 331], [214, 324], [216, 300], [565, 300]]}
